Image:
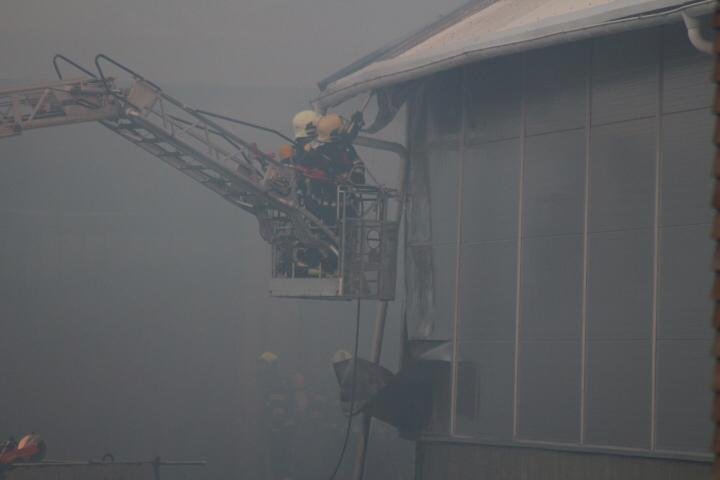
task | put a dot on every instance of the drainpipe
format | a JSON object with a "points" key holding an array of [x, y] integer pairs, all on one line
{"points": [[379, 327], [695, 34]]}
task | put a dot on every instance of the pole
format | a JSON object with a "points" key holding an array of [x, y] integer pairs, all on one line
{"points": [[379, 327], [375, 351]]}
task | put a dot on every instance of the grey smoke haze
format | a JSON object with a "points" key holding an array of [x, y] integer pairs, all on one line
{"points": [[231, 42], [133, 303]]}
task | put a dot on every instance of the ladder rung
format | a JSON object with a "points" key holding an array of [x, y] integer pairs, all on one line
{"points": [[216, 181]]}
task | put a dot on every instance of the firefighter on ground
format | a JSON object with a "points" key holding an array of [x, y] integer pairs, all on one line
{"points": [[277, 418]]}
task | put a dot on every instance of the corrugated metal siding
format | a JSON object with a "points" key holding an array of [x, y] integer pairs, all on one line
{"points": [[576, 178]]}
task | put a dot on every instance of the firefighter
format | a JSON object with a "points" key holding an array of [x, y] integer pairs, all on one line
{"points": [[278, 178], [331, 160], [305, 131], [286, 153], [334, 148], [305, 128], [277, 417]]}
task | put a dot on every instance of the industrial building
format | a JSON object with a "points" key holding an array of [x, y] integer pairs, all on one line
{"points": [[557, 241]]}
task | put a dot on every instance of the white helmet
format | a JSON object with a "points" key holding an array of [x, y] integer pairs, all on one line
{"points": [[305, 124], [329, 127]]}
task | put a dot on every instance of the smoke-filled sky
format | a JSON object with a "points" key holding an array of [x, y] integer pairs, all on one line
{"points": [[230, 42], [138, 300]]}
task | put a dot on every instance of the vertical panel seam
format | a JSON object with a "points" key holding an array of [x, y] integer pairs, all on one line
{"points": [[518, 260], [656, 245], [458, 263], [586, 216]]}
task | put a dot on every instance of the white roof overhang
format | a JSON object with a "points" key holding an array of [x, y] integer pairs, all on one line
{"points": [[506, 27]]}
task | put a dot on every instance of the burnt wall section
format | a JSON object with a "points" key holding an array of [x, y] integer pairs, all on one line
{"points": [[558, 239]]}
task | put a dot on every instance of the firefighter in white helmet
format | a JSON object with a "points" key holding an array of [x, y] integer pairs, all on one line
{"points": [[331, 160], [305, 126]]}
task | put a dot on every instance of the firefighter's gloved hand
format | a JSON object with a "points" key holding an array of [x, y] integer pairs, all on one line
{"points": [[357, 119]]}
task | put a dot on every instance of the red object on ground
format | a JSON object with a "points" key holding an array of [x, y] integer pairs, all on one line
{"points": [[30, 448]]}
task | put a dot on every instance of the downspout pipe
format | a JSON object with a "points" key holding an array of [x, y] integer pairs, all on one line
{"points": [[380, 320], [694, 32]]}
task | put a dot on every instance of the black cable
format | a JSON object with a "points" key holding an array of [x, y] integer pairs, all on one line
{"points": [[348, 429], [247, 124], [240, 148]]}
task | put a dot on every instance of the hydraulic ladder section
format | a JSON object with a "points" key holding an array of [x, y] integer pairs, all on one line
{"points": [[193, 143], [57, 103], [216, 158], [176, 134]]}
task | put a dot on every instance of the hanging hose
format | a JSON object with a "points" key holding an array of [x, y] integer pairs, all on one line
{"points": [[348, 428], [244, 123]]}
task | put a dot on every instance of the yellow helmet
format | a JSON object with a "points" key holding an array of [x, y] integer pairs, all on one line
{"points": [[329, 127], [341, 355], [286, 152], [305, 123], [268, 357]]}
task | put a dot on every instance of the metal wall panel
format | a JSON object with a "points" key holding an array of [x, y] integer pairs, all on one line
{"points": [[549, 391], [620, 272], [444, 104], [684, 168], [618, 393], [494, 389], [556, 92], [554, 184], [417, 213], [622, 175], [494, 102], [490, 191], [487, 292], [683, 408], [625, 76], [443, 168], [683, 284], [619, 316], [551, 291], [436, 321], [687, 73]]}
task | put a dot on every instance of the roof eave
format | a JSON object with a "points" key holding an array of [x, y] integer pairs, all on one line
{"points": [[505, 43], [407, 41]]}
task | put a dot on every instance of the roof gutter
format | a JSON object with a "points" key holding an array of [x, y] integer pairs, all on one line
{"points": [[695, 35], [338, 95]]}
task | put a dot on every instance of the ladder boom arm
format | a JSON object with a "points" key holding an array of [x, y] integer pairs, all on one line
{"points": [[53, 104], [180, 136]]}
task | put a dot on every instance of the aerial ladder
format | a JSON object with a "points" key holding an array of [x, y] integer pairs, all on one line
{"points": [[357, 252]]}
